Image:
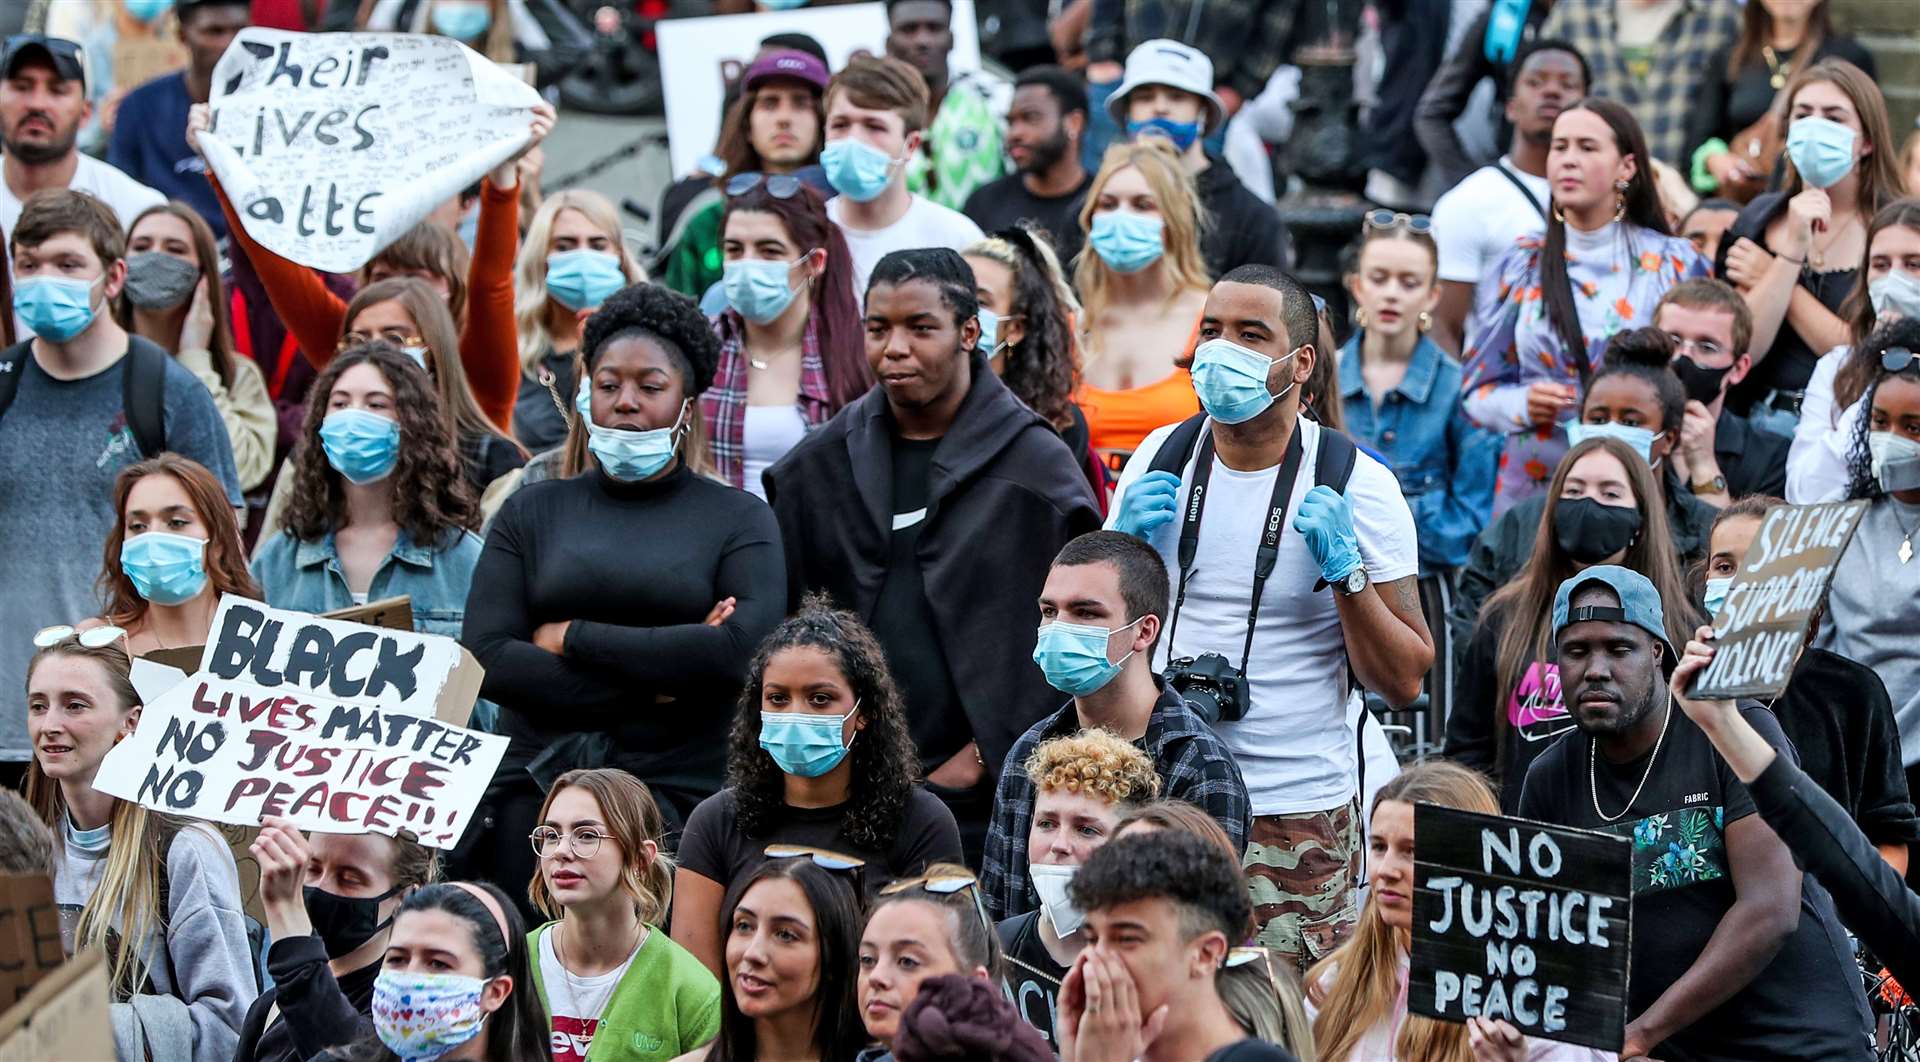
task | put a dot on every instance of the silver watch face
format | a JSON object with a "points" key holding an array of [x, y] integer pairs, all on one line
{"points": [[1357, 580]]}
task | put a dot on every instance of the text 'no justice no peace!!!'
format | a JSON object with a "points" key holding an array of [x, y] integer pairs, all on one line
{"points": [[339, 727]]}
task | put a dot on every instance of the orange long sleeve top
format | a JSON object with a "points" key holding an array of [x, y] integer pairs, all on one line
{"points": [[489, 343]]}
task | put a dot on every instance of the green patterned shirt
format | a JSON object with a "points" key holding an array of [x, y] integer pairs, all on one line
{"points": [[963, 149]]}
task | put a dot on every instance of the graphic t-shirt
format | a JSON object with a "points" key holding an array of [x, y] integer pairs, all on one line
{"points": [[575, 1003], [1807, 1002], [1033, 978]]}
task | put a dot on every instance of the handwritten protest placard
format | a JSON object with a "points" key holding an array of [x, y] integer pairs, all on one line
{"points": [[64, 1017], [30, 945], [1521, 921], [331, 145], [339, 727], [1773, 597]]}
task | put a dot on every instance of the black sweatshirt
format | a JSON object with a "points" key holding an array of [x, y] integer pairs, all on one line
{"points": [[635, 567], [1870, 896], [317, 1010]]}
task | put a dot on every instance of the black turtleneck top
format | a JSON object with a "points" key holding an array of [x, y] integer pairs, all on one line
{"points": [[635, 567]]}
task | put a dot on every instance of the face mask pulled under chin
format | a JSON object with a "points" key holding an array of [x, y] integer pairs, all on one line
{"points": [[1051, 883]]}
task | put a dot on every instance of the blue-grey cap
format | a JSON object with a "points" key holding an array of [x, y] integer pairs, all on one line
{"points": [[1639, 602]]}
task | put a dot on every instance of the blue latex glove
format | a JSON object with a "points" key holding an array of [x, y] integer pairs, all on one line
{"points": [[1326, 519], [1148, 504]]}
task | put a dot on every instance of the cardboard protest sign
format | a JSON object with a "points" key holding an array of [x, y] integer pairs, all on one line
{"points": [[699, 55], [331, 145], [394, 612], [339, 727], [1521, 921], [30, 946], [1761, 627], [64, 1017]]}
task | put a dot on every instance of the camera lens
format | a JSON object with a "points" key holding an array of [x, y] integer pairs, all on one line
{"points": [[1204, 702]]}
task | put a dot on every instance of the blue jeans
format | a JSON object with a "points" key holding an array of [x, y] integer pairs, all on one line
{"points": [[1778, 421]]}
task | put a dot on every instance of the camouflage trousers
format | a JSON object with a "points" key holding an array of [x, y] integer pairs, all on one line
{"points": [[1301, 871]]}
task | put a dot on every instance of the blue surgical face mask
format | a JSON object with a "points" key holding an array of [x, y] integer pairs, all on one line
{"points": [[1126, 241], [148, 10], [583, 279], [1073, 656], [165, 568], [1640, 440], [56, 308], [1183, 134], [360, 445], [1717, 594], [462, 22], [856, 169], [1821, 150], [1896, 294], [803, 744], [759, 290], [989, 331], [782, 5], [623, 453], [1232, 380], [418, 354]]}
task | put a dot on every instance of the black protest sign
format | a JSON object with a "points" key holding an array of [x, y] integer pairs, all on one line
{"points": [[1521, 921], [1760, 629]]}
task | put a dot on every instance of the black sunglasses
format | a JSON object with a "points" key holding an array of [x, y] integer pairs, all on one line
{"points": [[1384, 220], [779, 185]]}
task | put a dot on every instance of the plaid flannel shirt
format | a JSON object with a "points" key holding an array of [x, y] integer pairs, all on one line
{"points": [[1193, 764], [1663, 103], [725, 403]]}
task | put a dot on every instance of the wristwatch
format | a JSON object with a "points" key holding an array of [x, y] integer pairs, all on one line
{"points": [[1716, 485], [1355, 581]]}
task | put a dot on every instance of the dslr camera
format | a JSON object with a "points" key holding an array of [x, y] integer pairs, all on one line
{"points": [[1213, 688]]}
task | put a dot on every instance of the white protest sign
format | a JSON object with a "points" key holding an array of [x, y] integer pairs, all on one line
{"points": [[331, 145], [697, 55], [337, 726]]}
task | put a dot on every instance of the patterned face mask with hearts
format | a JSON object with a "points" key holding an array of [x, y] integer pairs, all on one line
{"points": [[423, 1016]]}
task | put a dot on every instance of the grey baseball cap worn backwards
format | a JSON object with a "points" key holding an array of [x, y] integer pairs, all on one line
{"points": [[1639, 602]]}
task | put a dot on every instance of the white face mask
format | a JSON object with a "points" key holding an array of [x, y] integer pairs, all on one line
{"points": [[1051, 883], [1888, 448]]}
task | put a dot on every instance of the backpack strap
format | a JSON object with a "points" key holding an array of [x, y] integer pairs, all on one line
{"points": [[1173, 453], [1333, 465], [13, 365], [144, 395]]}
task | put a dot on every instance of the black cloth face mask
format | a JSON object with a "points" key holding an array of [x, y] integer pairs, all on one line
{"points": [[1591, 532], [343, 923], [1702, 384]]}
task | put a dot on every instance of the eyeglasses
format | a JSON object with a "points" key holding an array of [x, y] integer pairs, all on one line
{"points": [[1896, 359], [584, 841], [779, 185], [823, 858], [1388, 220], [97, 638], [391, 335], [1705, 348]]}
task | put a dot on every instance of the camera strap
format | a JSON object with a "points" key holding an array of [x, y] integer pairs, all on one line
{"points": [[1269, 551]]}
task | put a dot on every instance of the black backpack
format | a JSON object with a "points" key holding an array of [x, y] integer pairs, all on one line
{"points": [[143, 389]]}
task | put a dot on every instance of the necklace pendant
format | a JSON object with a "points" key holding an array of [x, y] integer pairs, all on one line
{"points": [[757, 363], [1778, 80], [1906, 549]]}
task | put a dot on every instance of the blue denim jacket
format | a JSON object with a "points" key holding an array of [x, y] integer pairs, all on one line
{"points": [[1446, 465], [306, 577]]}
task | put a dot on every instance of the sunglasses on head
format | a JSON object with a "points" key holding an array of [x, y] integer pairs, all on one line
{"points": [[1387, 220], [822, 858], [779, 185], [945, 883], [1896, 359], [96, 638]]}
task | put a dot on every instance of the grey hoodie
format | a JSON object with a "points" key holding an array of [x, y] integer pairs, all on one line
{"points": [[206, 963]]}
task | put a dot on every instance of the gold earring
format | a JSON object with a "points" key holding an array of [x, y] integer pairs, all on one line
{"points": [[1619, 200], [1426, 320], [1360, 317], [1557, 216]]}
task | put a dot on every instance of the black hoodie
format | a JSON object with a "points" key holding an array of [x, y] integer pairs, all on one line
{"points": [[1004, 495], [1241, 228]]}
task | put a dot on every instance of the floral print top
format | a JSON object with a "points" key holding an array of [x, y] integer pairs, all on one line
{"points": [[1618, 274]]}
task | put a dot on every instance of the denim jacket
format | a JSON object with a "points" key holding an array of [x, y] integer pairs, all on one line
{"points": [[305, 576], [1446, 465]]}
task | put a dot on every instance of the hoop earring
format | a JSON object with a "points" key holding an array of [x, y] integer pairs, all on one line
{"points": [[1425, 320], [1557, 216]]}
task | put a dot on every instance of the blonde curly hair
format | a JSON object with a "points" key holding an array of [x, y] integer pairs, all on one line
{"points": [[1096, 762]]}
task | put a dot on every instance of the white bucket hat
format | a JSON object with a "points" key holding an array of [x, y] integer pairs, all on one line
{"points": [[1170, 63]]}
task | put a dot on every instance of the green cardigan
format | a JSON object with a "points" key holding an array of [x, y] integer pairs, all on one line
{"points": [[666, 1004]]}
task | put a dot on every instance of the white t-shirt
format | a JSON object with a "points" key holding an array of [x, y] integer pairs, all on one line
{"points": [[1817, 463], [126, 196], [1479, 218], [925, 224], [576, 1002], [770, 431], [1295, 747]]}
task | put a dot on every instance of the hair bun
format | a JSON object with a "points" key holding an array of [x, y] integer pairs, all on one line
{"points": [[1640, 346]]}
